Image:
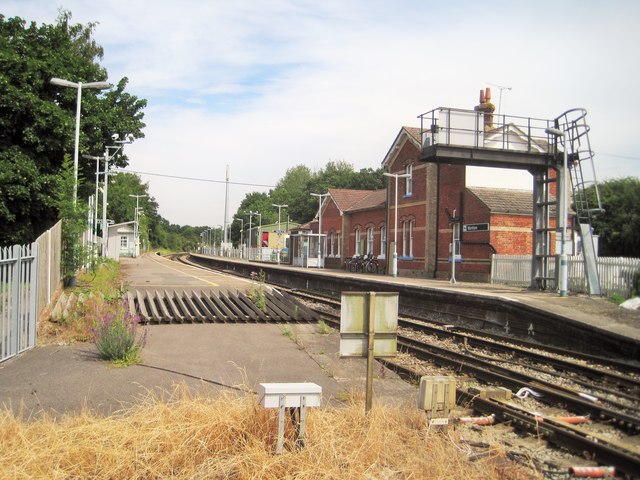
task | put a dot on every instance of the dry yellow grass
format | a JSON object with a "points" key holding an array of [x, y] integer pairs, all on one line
{"points": [[230, 436]]}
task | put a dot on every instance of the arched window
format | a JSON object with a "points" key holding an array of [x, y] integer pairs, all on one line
{"points": [[370, 241], [407, 237], [332, 243]]}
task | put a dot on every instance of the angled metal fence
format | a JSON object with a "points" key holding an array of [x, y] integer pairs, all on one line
{"points": [[617, 274], [18, 299]]}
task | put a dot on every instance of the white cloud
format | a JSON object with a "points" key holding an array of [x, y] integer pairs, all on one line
{"points": [[263, 86]]}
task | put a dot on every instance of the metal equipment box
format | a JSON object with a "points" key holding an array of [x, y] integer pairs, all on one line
{"points": [[437, 395], [270, 393]]}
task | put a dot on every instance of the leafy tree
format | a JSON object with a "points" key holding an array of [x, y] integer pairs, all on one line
{"points": [[37, 119], [619, 226], [73, 222], [296, 187]]}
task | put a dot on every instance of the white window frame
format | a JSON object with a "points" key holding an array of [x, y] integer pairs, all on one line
{"points": [[411, 222], [357, 245], [383, 242], [404, 238], [370, 241], [125, 244], [408, 185]]}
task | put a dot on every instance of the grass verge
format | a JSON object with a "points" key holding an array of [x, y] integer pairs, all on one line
{"points": [[230, 436]]}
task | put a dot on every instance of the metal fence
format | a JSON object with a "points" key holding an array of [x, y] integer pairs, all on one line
{"points": [[29, 274], [616, 273], [18, 294]]}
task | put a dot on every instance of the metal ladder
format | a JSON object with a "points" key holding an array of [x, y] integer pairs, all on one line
{"points": [[583, 177]]}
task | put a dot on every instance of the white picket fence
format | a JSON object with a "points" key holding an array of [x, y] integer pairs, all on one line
{"points": [[616, 273]]}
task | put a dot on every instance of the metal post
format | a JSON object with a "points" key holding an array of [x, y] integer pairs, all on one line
{"points": [[394, 258], [105, 234], [453, 248], [370, 347], [320, 197], [562, 193]]}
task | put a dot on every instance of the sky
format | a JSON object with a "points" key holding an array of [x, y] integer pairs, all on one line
{"points": [[263, 86]]}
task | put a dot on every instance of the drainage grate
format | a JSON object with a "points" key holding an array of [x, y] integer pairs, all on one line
{"points": [[174, 306]]}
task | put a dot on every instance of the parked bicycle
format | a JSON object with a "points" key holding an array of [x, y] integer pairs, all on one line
{"points": [[362, 263]]}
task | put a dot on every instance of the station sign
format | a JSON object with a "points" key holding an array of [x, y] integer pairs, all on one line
{"points": [[475, 227]]}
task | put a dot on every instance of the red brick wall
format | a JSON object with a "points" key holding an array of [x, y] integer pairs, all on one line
{"points": [[332, 221], [417, 208]]}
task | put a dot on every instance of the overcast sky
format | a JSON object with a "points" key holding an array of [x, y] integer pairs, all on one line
{"points": [[266, 85]]}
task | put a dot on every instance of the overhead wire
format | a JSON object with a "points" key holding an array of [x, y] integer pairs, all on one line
{"points": [[122, 170]]}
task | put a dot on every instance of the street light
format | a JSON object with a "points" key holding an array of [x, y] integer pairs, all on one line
{"points": [[94, 230], [136, 227], [320, 197], [241, 235], [107, 157], [394, 258], [279, 207], [259, 215], [561, 217], [79, 86]]}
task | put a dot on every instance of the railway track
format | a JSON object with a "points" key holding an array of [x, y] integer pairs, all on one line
{"points": [[618, 410], [603, 391]]}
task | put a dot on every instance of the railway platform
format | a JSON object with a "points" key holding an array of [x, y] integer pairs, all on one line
{"points": [[209, 358], [597, 315]]}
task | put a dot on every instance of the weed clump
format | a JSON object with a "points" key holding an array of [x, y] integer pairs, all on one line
{"points": [[257, 291], [116, 333]]}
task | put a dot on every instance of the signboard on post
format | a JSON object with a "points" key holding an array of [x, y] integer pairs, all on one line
{"points": [[475, 227], [354, 320], [368, 328]]}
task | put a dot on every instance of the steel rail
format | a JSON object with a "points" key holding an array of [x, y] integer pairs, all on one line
{"points": [[491, 373], [564, 435], [411, 321]]}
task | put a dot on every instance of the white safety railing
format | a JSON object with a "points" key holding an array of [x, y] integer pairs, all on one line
{"points": [[616, 273], [18, 299]]}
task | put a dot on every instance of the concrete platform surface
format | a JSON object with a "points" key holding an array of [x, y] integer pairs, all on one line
{"points": [[60, 379]]}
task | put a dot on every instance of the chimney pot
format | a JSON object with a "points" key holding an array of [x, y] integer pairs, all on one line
{"points": [[487, 95], [481, 96]]}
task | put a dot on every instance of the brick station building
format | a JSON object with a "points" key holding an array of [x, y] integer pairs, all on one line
{"points": [[431, 204]]}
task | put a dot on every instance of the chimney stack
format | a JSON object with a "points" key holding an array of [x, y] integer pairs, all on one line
{"points": [[486, 107]]}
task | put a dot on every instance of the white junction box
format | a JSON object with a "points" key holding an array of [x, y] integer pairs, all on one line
{"points": [[437, 395], [269, 394]]}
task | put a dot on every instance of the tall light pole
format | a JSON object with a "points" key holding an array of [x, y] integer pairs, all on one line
{"points": [[259, 215], [136, 227], [95, 199], [320, 197], [107, 157], [394, 257], [241, 234], [79, 86], [279, 207], [562, 193]]}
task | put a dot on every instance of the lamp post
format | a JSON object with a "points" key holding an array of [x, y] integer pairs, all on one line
{"points": [[94, 230], [136, 227], [107, 157], [241, 235], [320, 197], [562, 215], [259, 215], [394, 257], [79, 86], [279, 207]]}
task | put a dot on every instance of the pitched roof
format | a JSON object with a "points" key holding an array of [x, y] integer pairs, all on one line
{"points": [[505, 200], [412, 133], [375, 199], [345, 199]]}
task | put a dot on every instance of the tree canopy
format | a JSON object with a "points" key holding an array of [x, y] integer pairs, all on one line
{"points": [[295, 189], [37, 119], [619, 226]]}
